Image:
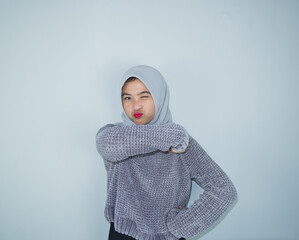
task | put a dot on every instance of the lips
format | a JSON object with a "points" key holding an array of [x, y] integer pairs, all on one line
{"points": [[138, 115]]}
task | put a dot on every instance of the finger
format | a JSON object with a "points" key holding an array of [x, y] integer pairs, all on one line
{"points": [[177, 151]]}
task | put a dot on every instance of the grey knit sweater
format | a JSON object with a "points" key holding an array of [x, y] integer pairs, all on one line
{"points": [[149, 186]]}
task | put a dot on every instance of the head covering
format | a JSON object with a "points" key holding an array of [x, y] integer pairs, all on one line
{"points": [[156, 84]]}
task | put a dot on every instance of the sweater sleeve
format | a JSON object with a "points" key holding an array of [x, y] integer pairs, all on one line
{"points": [[115, 143], [219, 194]]}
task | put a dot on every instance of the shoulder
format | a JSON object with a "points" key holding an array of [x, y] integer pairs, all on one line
{"points": [[194, 146], [195, 154]]}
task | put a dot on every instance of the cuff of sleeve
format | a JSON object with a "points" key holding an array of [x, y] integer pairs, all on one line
{"points": [[172, 223], [181, 147]]}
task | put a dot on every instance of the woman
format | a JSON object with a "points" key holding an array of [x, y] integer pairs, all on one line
{"points": [[150, 163]]}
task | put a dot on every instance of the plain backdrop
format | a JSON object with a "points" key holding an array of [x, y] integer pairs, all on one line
{"points": [[232, 70]]}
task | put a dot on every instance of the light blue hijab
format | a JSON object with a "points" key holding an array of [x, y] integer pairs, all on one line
{"points": [[156, 84]]}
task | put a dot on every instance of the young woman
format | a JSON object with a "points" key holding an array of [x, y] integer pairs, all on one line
{"points": [[150, 163]]}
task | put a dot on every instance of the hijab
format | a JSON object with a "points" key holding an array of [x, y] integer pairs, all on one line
{"points": [[156, 84]]}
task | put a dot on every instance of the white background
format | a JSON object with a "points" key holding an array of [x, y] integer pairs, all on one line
{"points": [[232, 70]]}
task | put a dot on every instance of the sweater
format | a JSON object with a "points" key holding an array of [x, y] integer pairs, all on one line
{"points": [[148, 186]]}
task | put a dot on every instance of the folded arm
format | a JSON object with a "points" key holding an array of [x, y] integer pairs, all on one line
{"points": [[219, 194], [115, 143]]}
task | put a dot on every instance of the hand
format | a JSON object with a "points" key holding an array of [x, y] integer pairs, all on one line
{"points": [[170, 149]]}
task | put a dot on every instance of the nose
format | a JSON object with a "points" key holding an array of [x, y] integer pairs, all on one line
{"points": [[137, 105]]}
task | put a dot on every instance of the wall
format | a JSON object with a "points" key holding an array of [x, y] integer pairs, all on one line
{"points": [[232, 71]]}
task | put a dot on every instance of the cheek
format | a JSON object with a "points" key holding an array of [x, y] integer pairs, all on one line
{"points": [[151, 106], [126, 107]]}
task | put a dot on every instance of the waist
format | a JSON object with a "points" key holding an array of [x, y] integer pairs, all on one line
{"points": [[136, 229]]}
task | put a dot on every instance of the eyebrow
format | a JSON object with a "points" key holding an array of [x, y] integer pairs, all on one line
{"points": [[138, 93]]}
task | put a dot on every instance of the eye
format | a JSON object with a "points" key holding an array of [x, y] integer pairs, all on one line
{"points": [[126, 98], [144, 96]]}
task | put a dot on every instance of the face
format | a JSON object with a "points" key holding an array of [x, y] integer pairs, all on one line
{"points": [[137, 102]]}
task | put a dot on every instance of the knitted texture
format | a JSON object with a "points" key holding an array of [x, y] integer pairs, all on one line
{"points": [[149, 186]]}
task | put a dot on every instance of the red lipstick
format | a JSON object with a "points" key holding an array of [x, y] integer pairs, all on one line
{"points": [[138, 115]]}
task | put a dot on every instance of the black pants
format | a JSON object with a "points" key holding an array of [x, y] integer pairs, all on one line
{"points": [[113, 235]]}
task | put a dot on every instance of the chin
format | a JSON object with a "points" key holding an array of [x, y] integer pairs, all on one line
{"points": [[139, 122]]}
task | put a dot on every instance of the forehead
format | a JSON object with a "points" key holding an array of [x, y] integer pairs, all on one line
{"points": [[134, 86]]}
